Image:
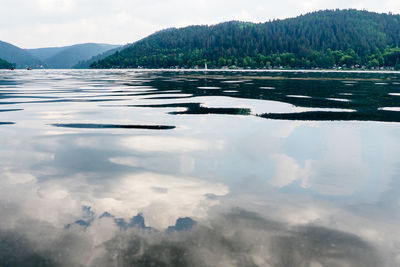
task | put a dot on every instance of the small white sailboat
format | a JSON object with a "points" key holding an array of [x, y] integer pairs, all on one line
{"points": [[205, 65]]}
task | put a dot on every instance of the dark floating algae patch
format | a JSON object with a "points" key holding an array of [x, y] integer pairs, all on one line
{"points": [[113, 126]]}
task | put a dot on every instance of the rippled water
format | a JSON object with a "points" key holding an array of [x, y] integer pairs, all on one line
{"points": [[157, 168]]}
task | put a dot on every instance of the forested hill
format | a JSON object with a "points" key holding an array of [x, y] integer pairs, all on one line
{"points": [[5, 64], [321, 39]]}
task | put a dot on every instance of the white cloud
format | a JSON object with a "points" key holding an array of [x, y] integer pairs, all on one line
{"points": [[125, 21], [55, 5], [161, 198], [286, 170], [168, 144]]}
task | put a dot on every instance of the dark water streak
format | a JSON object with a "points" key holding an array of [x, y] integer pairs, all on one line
{"points": [[111, 126]]}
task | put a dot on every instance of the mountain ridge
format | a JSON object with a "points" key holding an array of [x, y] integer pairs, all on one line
{"points": [[68, 56], [320, 39], [85, 64], [51, 57], [18, 56]]}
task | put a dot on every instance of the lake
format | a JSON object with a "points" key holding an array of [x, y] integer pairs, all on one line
{"points": [[193, 168]]}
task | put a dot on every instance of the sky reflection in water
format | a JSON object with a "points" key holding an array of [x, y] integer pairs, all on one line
{"points": [[317, 187]]}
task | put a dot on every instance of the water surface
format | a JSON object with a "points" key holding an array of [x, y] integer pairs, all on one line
{"points": [[184, 168]]}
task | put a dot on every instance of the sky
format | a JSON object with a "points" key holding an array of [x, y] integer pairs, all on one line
{"points": [[45, 23]]}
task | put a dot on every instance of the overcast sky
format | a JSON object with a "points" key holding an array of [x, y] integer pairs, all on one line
{"points": [[43, 23]]}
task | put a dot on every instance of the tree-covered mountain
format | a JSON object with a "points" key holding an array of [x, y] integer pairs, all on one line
{"points": [[320, 39], [5, 64], [85, 64], [47, 52], [18, 56], [68, 56]]}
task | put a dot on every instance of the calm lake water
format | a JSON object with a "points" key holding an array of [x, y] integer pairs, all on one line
{"points": [[180, 168]]}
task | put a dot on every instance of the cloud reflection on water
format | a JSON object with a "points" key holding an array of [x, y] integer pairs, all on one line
{"points": [[311, 193], [236, 238]]}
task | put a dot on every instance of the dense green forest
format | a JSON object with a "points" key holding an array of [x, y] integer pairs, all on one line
{"points": [[323, 39], [5, 64]]}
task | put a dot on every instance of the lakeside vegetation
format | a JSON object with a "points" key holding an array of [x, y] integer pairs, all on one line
{"points": [[323, 39], [5, 64]]}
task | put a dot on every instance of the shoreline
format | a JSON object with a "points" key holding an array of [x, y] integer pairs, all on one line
{"points": [[223, 70]]}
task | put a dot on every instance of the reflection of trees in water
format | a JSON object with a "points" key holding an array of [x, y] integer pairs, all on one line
{"points": [[381, 115], [17, 251], [241, 238], [238, 238], [358, 92]]}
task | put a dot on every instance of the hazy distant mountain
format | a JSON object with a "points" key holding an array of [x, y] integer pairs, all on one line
{"points": [[68, 56], [85, 64], [322, 39], [53, 57], [46, 53], [18, 56]]}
